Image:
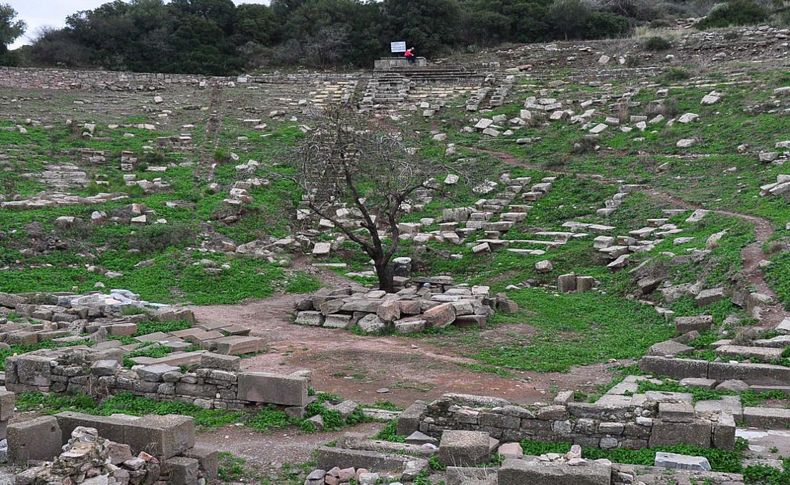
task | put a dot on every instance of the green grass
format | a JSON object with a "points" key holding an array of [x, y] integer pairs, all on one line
{"points": [[576, 329], [263, 420]]}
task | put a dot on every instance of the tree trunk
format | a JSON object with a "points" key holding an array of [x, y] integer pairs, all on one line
{"points": [[385, 274]]}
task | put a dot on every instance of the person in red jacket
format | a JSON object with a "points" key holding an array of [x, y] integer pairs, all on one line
{"points": [[409, 55]]}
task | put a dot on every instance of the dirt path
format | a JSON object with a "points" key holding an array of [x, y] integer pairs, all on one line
{"points": [[751, 255]]}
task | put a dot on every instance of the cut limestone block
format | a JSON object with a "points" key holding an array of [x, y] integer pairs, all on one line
{"points": [[521, 472], [464, 448], [697, 432], [267, 388], [36, 439], [238, 345], [676, 461], [161, 436], [182, 470]]}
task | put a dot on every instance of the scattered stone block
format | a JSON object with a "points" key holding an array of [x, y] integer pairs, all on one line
{"points": [[464, 448], [676, 461], [267, 388], [36, 439], [711, 295], [534, 472]]}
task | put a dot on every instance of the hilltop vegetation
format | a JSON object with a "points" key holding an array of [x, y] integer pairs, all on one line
{"points": [[217, 37]]}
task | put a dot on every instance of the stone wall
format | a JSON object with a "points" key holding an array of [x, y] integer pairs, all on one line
{"points": [[754, 374], [646, 424], [14, 77], [215, 382]]}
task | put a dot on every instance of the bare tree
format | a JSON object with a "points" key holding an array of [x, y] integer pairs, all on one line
{"points": [[346, 163]]}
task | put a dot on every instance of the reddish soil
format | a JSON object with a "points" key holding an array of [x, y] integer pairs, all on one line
{"points": [[266, 453], [361, 367]]}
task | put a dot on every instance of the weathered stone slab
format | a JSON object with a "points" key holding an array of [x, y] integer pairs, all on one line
{"points": [[182, 470], [767, 418], [328, 458], [697, 432], [533, 472], [161, 436], [238, 345], [464, 448], [36, 439], [269, 388], [409, 419], [676, 461], [230, 363]]}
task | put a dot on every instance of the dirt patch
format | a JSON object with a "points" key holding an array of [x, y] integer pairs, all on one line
{"points": [[267, 452], [361, 367]]}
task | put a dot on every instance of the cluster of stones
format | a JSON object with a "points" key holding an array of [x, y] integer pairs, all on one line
{"points": [[428, 303], [745, 346], [59, 199], [213, 382], [88, 458], [494, 216], [71, 319], [95, 450], [780, 187], [65, 318]]}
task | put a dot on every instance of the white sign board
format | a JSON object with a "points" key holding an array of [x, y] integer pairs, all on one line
{"points": [[397, 46]]}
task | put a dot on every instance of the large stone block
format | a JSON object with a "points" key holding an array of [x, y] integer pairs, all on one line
{"points": [[264, 387], [328, 458], [161, 436], [208, 459], [7, 403], [230, 363], [464, 448], [238, 345], [182, 470], [523, 472], [724, 432], [697, 433], [112, 428], [767, 418], [409, 419], [439, 316], [36, 439], [765, 374], [675, 368]]}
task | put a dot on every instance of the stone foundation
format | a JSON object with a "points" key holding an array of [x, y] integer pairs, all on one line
{"points": [[214, 383], [606, 425]]}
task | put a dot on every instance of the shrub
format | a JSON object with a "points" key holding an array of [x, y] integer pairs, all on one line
{"points": [[676, 74], [657, 44], [604, 25], [158, 237], [734, 12]]}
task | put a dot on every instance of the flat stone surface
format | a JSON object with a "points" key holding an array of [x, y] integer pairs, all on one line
{"points": [[676, 461], [533, 472], [767, 418], [464, 448], [765, 354]]}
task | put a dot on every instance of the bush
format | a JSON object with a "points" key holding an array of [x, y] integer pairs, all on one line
{"points": [[676, 74], [734, 12], [158, 237], [604, 25], [657, 44]]}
